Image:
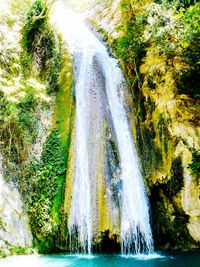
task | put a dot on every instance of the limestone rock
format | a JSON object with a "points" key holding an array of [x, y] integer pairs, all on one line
{"points": [[14, 227]]}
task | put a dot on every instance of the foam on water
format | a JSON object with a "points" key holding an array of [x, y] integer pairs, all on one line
{"points": [[82, 256], [151, 256]]}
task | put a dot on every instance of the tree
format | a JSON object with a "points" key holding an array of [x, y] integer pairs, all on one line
{"points": [[47, 4]]}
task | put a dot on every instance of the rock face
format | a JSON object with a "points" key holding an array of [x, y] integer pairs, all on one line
{"points": [[29, 108], [14, 227], [191, 205], [97, 207], [165, 127]]}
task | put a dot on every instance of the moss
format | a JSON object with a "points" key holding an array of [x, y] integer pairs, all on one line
{"points": [[134, 84], [113, 147], [176, 182], [103, 34], [18, 126], [156, 47], [188, 78], [112, 160], [195, 165], [169, 224], [64, 237], [169, 221], [150, 154], [31, 26], [41, 182], [151, 104], [41, 51], [5, 252], [141, 108], [29, 33], [163, 124], [65, 123], [45, 185], [129, 47], [27, 109], [64, 99], [150, 82]]}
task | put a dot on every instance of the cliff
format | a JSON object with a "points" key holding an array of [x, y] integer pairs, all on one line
{"points": [[36, 113], [157, 44], [157, 47]]}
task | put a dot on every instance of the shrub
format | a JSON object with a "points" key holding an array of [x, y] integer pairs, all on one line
{"points": [[41, 51], [130, 46], [195, 165], [43, 179], [188, 80], [18, 127]]}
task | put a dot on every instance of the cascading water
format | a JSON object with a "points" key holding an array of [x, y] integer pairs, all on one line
{"points": [[80, 217], [100, 97], [135, 227]]}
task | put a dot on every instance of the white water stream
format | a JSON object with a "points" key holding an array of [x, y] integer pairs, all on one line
{"points": [[136, 236]]}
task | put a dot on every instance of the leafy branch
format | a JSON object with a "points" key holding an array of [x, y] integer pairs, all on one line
{"points": [[45, 10]]}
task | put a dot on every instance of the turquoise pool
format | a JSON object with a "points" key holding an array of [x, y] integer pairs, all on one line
{"points": [[187, 259]]}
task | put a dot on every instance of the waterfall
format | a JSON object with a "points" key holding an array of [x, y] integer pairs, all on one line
{"points": [[136, 233], [100, 97], [80, 217]]}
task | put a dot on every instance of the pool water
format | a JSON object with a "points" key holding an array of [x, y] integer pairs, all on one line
{"points": [[187, 259]]}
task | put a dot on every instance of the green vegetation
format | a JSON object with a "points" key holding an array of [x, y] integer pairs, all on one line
{"points": [[19, 126], [195, 165], [46, 177], [188, 81], [176, 182], [157, 44], [64, 123], [37, 66], [158, 33], [150, 153], [163, 126], [22, 99], [130, 47], [16, 251], [173, 32], [41, 52], [177, 3], [170, 225]]}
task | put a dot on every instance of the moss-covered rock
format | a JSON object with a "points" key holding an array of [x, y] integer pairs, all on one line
{"points": [[155, 55], [36, 114]]}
